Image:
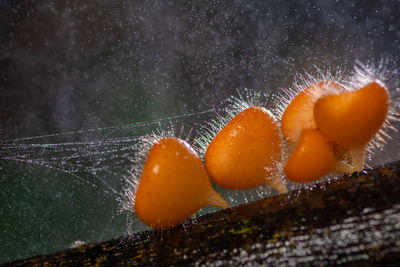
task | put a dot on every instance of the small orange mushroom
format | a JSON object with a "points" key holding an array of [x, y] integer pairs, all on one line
{"points": [[352, 119], [312, 159], [174, 185], [299, 114], [247, 152]]}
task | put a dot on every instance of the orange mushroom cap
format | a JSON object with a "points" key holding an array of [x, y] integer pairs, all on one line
{"points": [[352, 119], [299, 114], [174, 185], [312, 159], [247, 152]]}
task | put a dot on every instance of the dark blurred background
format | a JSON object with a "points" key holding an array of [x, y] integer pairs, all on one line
{"points": [[76, 65], [72, 65]]}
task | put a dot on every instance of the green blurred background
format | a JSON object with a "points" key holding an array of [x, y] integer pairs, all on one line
{"points": [[72, 65]]}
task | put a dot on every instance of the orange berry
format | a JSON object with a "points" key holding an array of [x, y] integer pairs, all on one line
{"points": [[299, 114], [174, 185], [352, 119], [312, 159], [247, 152]]}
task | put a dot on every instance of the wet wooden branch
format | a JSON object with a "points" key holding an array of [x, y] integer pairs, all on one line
{"points": [[354, 220]]}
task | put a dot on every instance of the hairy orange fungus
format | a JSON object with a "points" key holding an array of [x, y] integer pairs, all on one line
{"points": [[312, 159], [299, 114], [352, 119], [247, 152], [174, 185]]}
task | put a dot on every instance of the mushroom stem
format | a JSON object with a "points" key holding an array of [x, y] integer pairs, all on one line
{"points": [[358, 158], [276, 182], [215, 199], [342, 167]]}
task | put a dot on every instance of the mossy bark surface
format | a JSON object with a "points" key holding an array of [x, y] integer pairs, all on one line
{"points": [[352, 220]]}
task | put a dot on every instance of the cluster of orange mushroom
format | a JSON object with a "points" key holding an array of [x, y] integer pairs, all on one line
{"points": [[326, 126], [328, 129]]}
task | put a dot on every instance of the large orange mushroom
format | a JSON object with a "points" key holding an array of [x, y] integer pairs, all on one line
{"points": [[247, 152], [174, 185]]}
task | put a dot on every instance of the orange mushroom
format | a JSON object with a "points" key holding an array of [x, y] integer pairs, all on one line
{"points": [[299, 114], [174, 185], [247, 152], [352, 119], [312, 159]]}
